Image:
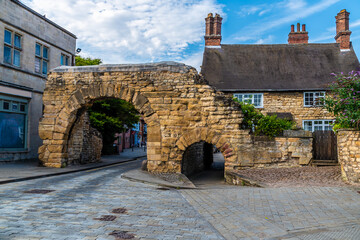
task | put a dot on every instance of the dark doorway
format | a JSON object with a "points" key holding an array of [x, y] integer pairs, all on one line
{"points": [[203, 164]]}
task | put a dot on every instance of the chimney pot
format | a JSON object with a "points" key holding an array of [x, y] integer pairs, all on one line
{"points": [[213, 30], [342, 29], [298, 37]]}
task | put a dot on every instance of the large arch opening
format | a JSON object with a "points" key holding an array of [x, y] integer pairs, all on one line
{"points": [[203, 163], [106, 129]]}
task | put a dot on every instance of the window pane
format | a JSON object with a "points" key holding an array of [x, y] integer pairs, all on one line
{"points": [[67, 61], [45, 52], [6, 105], [15, 107], [38, 50], [37, 64], [7, 54], [12, 130], [7, 37], [17, 41], [44, 70], [16, 58], [62, 60], [308, 125], [22, 107]]}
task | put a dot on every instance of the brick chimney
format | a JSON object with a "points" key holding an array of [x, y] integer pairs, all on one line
{"points": [[298, 37], [342, 29], [213, 30]]}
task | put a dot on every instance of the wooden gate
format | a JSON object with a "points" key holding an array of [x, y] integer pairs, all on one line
{"points": [[324, 145]]}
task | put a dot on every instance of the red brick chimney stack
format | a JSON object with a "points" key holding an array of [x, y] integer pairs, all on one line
{"points": [[298, 37], [342, 29], [213, 30]]}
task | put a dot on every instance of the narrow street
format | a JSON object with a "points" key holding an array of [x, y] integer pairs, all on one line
{"points": [[99, 204]]}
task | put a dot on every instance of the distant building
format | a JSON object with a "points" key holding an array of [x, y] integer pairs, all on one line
{"points": [[288, 80], [135, 137], [31, 45]]}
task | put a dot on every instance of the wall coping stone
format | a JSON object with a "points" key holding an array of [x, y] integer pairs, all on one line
{"points": [[297, 134], [347, 129], [141, 67]]}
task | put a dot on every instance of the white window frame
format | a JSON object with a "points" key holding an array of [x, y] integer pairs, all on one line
{"points": [[315, 98], [251, 97], [323, 125]]}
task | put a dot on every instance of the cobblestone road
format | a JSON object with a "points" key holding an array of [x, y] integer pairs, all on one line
{"points": [[73, 209]]}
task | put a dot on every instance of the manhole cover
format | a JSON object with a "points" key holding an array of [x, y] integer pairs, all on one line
{"points": [[39, 191], [119, 210], [163, 188], [106, 218], [120, 235]]}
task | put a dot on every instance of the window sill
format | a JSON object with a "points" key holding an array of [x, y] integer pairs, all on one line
{"points": [[11, 151]]}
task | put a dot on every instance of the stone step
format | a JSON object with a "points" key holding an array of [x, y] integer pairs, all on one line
{"points": [[324, 163]]}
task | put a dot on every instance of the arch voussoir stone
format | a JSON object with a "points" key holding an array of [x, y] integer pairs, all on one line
{"points": [[179, 108]]}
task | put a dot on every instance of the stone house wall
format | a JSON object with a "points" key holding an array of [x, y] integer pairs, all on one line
{"points": [[85, 143], [348, 143], [291, 102], [23, 82], [197, 158]]}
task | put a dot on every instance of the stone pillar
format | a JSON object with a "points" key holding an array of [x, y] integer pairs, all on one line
{"points": [[348, 143]]}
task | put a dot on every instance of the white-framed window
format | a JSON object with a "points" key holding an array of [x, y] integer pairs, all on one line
{"points": [[314, 125], [12, 48], [13, 123], [41, 58], [64, 60], [312, 99], [256, 99]]}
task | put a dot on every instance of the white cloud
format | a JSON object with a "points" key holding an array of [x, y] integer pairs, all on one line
{"points": [[269, 39], [355, 24], [120, 31]]}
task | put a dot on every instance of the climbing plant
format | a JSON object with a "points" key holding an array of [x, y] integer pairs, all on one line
{"points": [[259, 124]]}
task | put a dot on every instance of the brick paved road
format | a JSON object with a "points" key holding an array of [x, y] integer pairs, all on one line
{"points": [[219, 212]]}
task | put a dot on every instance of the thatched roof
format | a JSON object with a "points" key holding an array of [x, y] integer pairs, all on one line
{"points": [[280, 67]]}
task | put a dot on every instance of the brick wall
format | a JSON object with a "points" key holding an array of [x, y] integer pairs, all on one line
{"points": [[348, 142]]}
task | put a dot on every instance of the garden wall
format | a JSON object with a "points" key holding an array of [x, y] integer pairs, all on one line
{"points": [[348, 142], [291, 150]]}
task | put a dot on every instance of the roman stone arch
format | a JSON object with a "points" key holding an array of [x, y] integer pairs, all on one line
{"points": [[177, 104]]}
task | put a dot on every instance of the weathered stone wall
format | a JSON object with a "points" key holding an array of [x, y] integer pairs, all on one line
{"points": [[293, 149], [348, 143], [197, 158], [85, 143], [178, 106]]}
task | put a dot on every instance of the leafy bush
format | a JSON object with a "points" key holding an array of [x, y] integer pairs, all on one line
{"points": [[271, 126], [344, 100]]}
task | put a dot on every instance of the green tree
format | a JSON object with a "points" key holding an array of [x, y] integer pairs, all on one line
{"points": [[111, 116], [80, 61], [344, 100]]}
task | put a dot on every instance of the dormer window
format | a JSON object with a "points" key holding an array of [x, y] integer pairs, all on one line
{"points": [[314, 99]]}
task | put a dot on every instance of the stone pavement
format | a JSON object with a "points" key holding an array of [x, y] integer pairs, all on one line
{"points": [[24, 170], [79, 200]]}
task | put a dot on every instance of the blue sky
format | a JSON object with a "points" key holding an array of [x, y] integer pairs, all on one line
{"points": [[119, 31]]}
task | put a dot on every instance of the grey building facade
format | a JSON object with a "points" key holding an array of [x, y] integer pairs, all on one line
{"points": [[31, 45]]}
